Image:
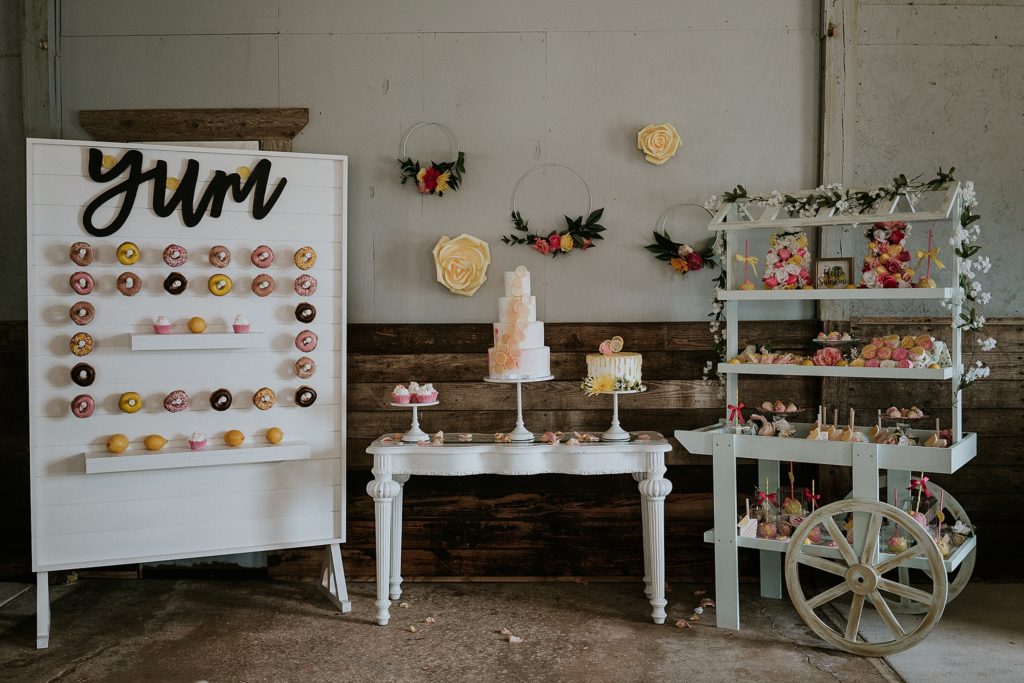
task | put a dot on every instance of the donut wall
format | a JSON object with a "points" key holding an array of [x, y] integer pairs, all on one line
{"points": [[186, 351]]}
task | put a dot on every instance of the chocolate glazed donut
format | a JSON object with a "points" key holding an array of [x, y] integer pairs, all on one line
{"points": [[175, 283], [83, 374], [220, 400], [305, 313], [305, 396]]}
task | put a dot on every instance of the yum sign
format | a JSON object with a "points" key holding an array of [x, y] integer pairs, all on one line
{"points": [[193, 209]]}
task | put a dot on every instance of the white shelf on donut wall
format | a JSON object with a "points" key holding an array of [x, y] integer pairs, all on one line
{"points": [[184, 341]]}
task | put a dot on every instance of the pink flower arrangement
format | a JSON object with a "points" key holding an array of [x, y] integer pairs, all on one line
{"points": [[787, 261], [542, 246], [887, 263], [829, 356]]}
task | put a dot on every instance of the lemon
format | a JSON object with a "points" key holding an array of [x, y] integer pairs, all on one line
{"points": [[154, 442], [275, 435], [842, 364], [617, 344], [733, 361], [808, 362], [118, 443], [234, 438], [934, 366], [196, 325]]}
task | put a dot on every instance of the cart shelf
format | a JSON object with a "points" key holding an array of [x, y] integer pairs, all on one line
{"points": [[858, 294], [834, 371]]}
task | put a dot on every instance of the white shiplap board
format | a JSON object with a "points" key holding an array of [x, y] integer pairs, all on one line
{"points": [[81, 520]]}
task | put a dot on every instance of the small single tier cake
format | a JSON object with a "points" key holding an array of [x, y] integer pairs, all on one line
{"points": [[622, 365], [519, 351]]}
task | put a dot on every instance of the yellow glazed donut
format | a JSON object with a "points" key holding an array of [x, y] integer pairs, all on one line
{"points": [[130, 402], [305, 257], [128, 253], [219, 285]]}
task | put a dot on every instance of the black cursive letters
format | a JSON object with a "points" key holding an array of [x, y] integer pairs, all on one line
{"points": [[192, 212]]}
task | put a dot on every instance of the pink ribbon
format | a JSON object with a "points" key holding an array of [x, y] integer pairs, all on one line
{"points": [[736, 414], [813, 497], [922, 484], [769, 497]]}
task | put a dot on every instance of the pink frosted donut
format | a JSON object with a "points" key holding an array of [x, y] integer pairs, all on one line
{"points": [[82, 283], [305, 341], [82, 405], [262, 256], [175, 255], [176, 401], [305, 285]]}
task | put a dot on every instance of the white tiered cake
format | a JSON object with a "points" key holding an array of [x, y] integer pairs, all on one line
{"points": [[518, 351]]}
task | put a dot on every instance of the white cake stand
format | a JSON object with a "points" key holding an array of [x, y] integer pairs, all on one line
{"points": [[616, 432], [520, 433], [415, 434]]}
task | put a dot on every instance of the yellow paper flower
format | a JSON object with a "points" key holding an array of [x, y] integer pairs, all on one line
{"points": [[680, 264], [796, 259], [419, 176], [658, 142], [566, 243], [602, 384], [461, 263], [442, 182], [801, 241]]}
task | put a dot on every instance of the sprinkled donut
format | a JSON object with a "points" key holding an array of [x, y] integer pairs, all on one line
{"points": [[81, 282], [128, 253], [83, 374], [220, 400], [305, 258], [262, 285], [82, 312], [264, 399], [176, 401], [304, 367], [129, 283], [219, 285], [305, 285], [262, 256], [305, 396], [82, 344], [82, 405], [175, 283], [305, 341], [82, 253], [220, 257], [175, 255], [305, 313]]}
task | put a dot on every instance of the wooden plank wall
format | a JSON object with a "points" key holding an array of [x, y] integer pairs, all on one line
{"points": [[545, 525]]}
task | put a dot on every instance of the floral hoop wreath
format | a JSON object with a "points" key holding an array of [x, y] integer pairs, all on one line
{"points": [[578, 234], [437, 178], [683, 258]]}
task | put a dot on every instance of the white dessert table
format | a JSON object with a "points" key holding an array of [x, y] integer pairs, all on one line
{"points": [[643, 456]]}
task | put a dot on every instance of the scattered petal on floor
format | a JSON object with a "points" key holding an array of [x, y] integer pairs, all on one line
{"points": [[707, 602], [515, 639], [699, 593], [412, 629], [430, 620], [698, 610], [683, 623], [505, 632], [405, 605]]}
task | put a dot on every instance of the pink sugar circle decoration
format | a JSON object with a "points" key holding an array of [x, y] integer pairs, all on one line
{"points": [[500, 357], [520, 307], [605, 348], [518, 336], [521, 323], [515, 354]]}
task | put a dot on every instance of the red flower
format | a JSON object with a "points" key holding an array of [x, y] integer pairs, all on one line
{"points": [[896, 236], [904, 256], [894, 266], [694, 260], [541, 245], [587, 243], [554, 241], [828, 356], [429, 182], [889, 282]]}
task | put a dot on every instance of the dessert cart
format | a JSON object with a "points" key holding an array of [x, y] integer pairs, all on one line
{"points": [[831, 583]]}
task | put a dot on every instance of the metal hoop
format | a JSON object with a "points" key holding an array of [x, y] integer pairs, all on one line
{"points": [[453, 139], [590, 199], [663, 218]]}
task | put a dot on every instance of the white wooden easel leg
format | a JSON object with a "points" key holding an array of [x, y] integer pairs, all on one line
{"points": [[771, 562], [638, 477], [396, 538], [653, 491], [727, 586], [383, 490], [332, 578], [42, 610]]}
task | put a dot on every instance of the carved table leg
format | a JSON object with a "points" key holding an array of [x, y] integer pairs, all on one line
{"points": [[638, 477], [653, 491], [383, 489], [396, 538]]}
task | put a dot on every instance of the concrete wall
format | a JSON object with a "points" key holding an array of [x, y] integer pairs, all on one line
{"points": [[521, 83], [940, 83]]}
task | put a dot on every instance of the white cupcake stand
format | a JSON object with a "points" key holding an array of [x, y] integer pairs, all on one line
{"points": [[858, 568], [415, 434], [520, 433]]}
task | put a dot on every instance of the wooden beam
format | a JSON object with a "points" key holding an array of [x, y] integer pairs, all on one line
{"points": [[40, 107], [271, 126]]}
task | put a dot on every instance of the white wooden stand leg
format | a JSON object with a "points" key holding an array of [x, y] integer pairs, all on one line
{"points": [[865, 487], [42, 610], [653, 491], [727, 587], [396, 538], [638, 477], [771, 562], [383, 490], [332, 578]]}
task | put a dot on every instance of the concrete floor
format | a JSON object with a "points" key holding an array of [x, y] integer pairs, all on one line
{"points": [[250, 630]]}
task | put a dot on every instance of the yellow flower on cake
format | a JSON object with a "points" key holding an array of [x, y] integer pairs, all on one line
{"points": [[566, 243], [602, 384], [461, 263], [442, 182], [658, 142]]}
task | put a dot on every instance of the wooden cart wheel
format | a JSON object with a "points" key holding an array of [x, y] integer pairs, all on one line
{"points": [[959, 578], [864, 577]]}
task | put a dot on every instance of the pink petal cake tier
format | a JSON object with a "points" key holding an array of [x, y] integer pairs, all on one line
{"points": [[518, 351]]}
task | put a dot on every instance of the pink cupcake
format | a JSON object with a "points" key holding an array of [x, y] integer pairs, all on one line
{"points": [[400, 394], [161, 325], [197, 441], [240, 325], [427, 393]]}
